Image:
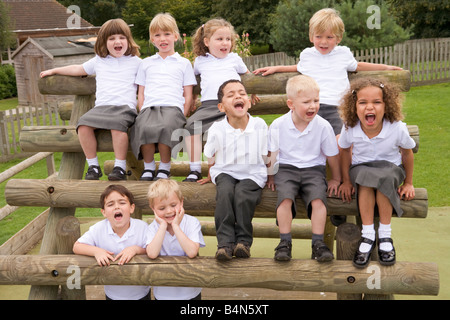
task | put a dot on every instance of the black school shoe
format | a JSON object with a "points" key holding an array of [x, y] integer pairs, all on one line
{"points": [[196, 173], [321, 252], [283, 252], [362, 259], [147, 178], [117, 174], [93, 174], [386, 258], [167, 173]]}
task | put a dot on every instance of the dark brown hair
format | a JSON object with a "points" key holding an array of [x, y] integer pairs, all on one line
{"points": [[391, 98], [118, 188], [222, 88], [109, 28]]}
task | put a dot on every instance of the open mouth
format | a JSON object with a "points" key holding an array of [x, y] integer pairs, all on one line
{"points": [[239, 106], [310, 113], [118, 216], [370, 118], [118, 48]]}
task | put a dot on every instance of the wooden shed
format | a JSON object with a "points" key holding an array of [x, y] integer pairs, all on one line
{"points": [[38, 54]]}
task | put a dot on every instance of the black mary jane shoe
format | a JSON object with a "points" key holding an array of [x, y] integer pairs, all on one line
{"points": [[196, 173], [167, 173], [147, 178], [386, 258], [362, 259]]}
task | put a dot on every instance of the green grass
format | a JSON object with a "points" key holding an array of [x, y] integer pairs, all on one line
{"points": [[426, 106], [7, 104]]}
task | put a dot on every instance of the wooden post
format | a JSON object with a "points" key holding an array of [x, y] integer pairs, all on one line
{"points": [[72, 167], [68, 232], [347, 237]]}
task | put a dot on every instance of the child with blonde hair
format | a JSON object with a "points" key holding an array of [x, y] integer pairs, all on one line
{"points": [[164, 98], [377, 162], [213, 44], [115, 66], [172, 233]]}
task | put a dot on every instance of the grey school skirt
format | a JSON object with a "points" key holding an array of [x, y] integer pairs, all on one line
{"points": [[384, 176], [109, 118], [156, 125], [204, 117]]}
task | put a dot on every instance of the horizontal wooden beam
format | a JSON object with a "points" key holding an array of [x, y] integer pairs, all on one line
{"points": [[65, 139], [199, 200], [272, 84], [415, 278]]}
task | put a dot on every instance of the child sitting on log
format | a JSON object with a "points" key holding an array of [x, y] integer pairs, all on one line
{"points": [[301, 142], [236, 149], [376, 158], [115, 65], [116, 238], [172, 233]]}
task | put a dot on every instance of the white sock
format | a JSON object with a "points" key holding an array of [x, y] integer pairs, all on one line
{"points": [[384, 231], [368, 231], [194, 166], [149, 166], [163, 166], [121, 163], [93, 162]]}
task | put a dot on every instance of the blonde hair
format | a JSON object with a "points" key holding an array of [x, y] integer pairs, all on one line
{"points": [[109, 28], [392, 99], [301, 83], [206, 31], [163, 22], [162, 189], [326, 19]]}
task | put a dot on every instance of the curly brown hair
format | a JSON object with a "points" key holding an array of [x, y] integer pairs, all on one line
{"points": [[392, 99]]}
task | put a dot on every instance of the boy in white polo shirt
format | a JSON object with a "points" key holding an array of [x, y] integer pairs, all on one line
{"points": [[302, 141], [116, 238], [237, 149]]}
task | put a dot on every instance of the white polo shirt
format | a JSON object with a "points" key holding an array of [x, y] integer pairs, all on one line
{"points": [[385, 146], [114, 78], [302, 149], [171, 247], [103, 236], [164, 80], [214, 72], [238, 153], [329, 70]]}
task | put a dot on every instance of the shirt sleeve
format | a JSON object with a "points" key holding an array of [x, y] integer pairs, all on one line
{"points": [[140, 75], [406, 142], [241, 68], [194, 231], [344, 141], [89, 66], [273, 141], [189, 76], [210, 147]]}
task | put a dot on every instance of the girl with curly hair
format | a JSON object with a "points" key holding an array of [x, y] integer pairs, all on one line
{"points": [[377, 162]]}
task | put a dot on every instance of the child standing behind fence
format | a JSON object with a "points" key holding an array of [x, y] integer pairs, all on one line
{"points": [[165, 96], [302, 142], [172, 233], [376, 158], [115, 66], [116, 238], [213, 43], [237, 151]]}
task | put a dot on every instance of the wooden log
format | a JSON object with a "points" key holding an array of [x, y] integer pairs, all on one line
{"points": [[347, 237], [417, 278], [72, 166], [272, 84], [65, 139], [68, 232], [199, 199]]}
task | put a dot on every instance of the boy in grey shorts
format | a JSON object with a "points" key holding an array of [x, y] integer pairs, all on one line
{"points": [[301, 142]]}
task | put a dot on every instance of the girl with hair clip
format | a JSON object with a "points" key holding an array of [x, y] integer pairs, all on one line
{"points": [[377, 162], [213, 44], [115, 66]]}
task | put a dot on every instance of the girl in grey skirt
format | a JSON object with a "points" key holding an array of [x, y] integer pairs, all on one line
{"points": [[377, 162], [115, 66]]}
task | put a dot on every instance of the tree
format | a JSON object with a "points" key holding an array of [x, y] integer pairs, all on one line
{"points": [[429, 19], [7, 38], [290, 32], [250, 16]]}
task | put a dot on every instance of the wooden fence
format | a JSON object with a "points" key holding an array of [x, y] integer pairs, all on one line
{"points": [[428, 60], [13, 120]]}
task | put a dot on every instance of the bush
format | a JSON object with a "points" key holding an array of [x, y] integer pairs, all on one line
{"points": [[8, 87]]}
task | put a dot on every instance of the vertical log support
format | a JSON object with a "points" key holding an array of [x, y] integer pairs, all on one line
{"points": [[72, 167]]}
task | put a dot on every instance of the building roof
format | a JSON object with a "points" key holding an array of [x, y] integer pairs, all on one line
{"points": [[62, 46], [39, 14]]}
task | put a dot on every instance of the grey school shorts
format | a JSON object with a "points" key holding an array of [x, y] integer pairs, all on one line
{"points": [[331, 114], [309, 183]]}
